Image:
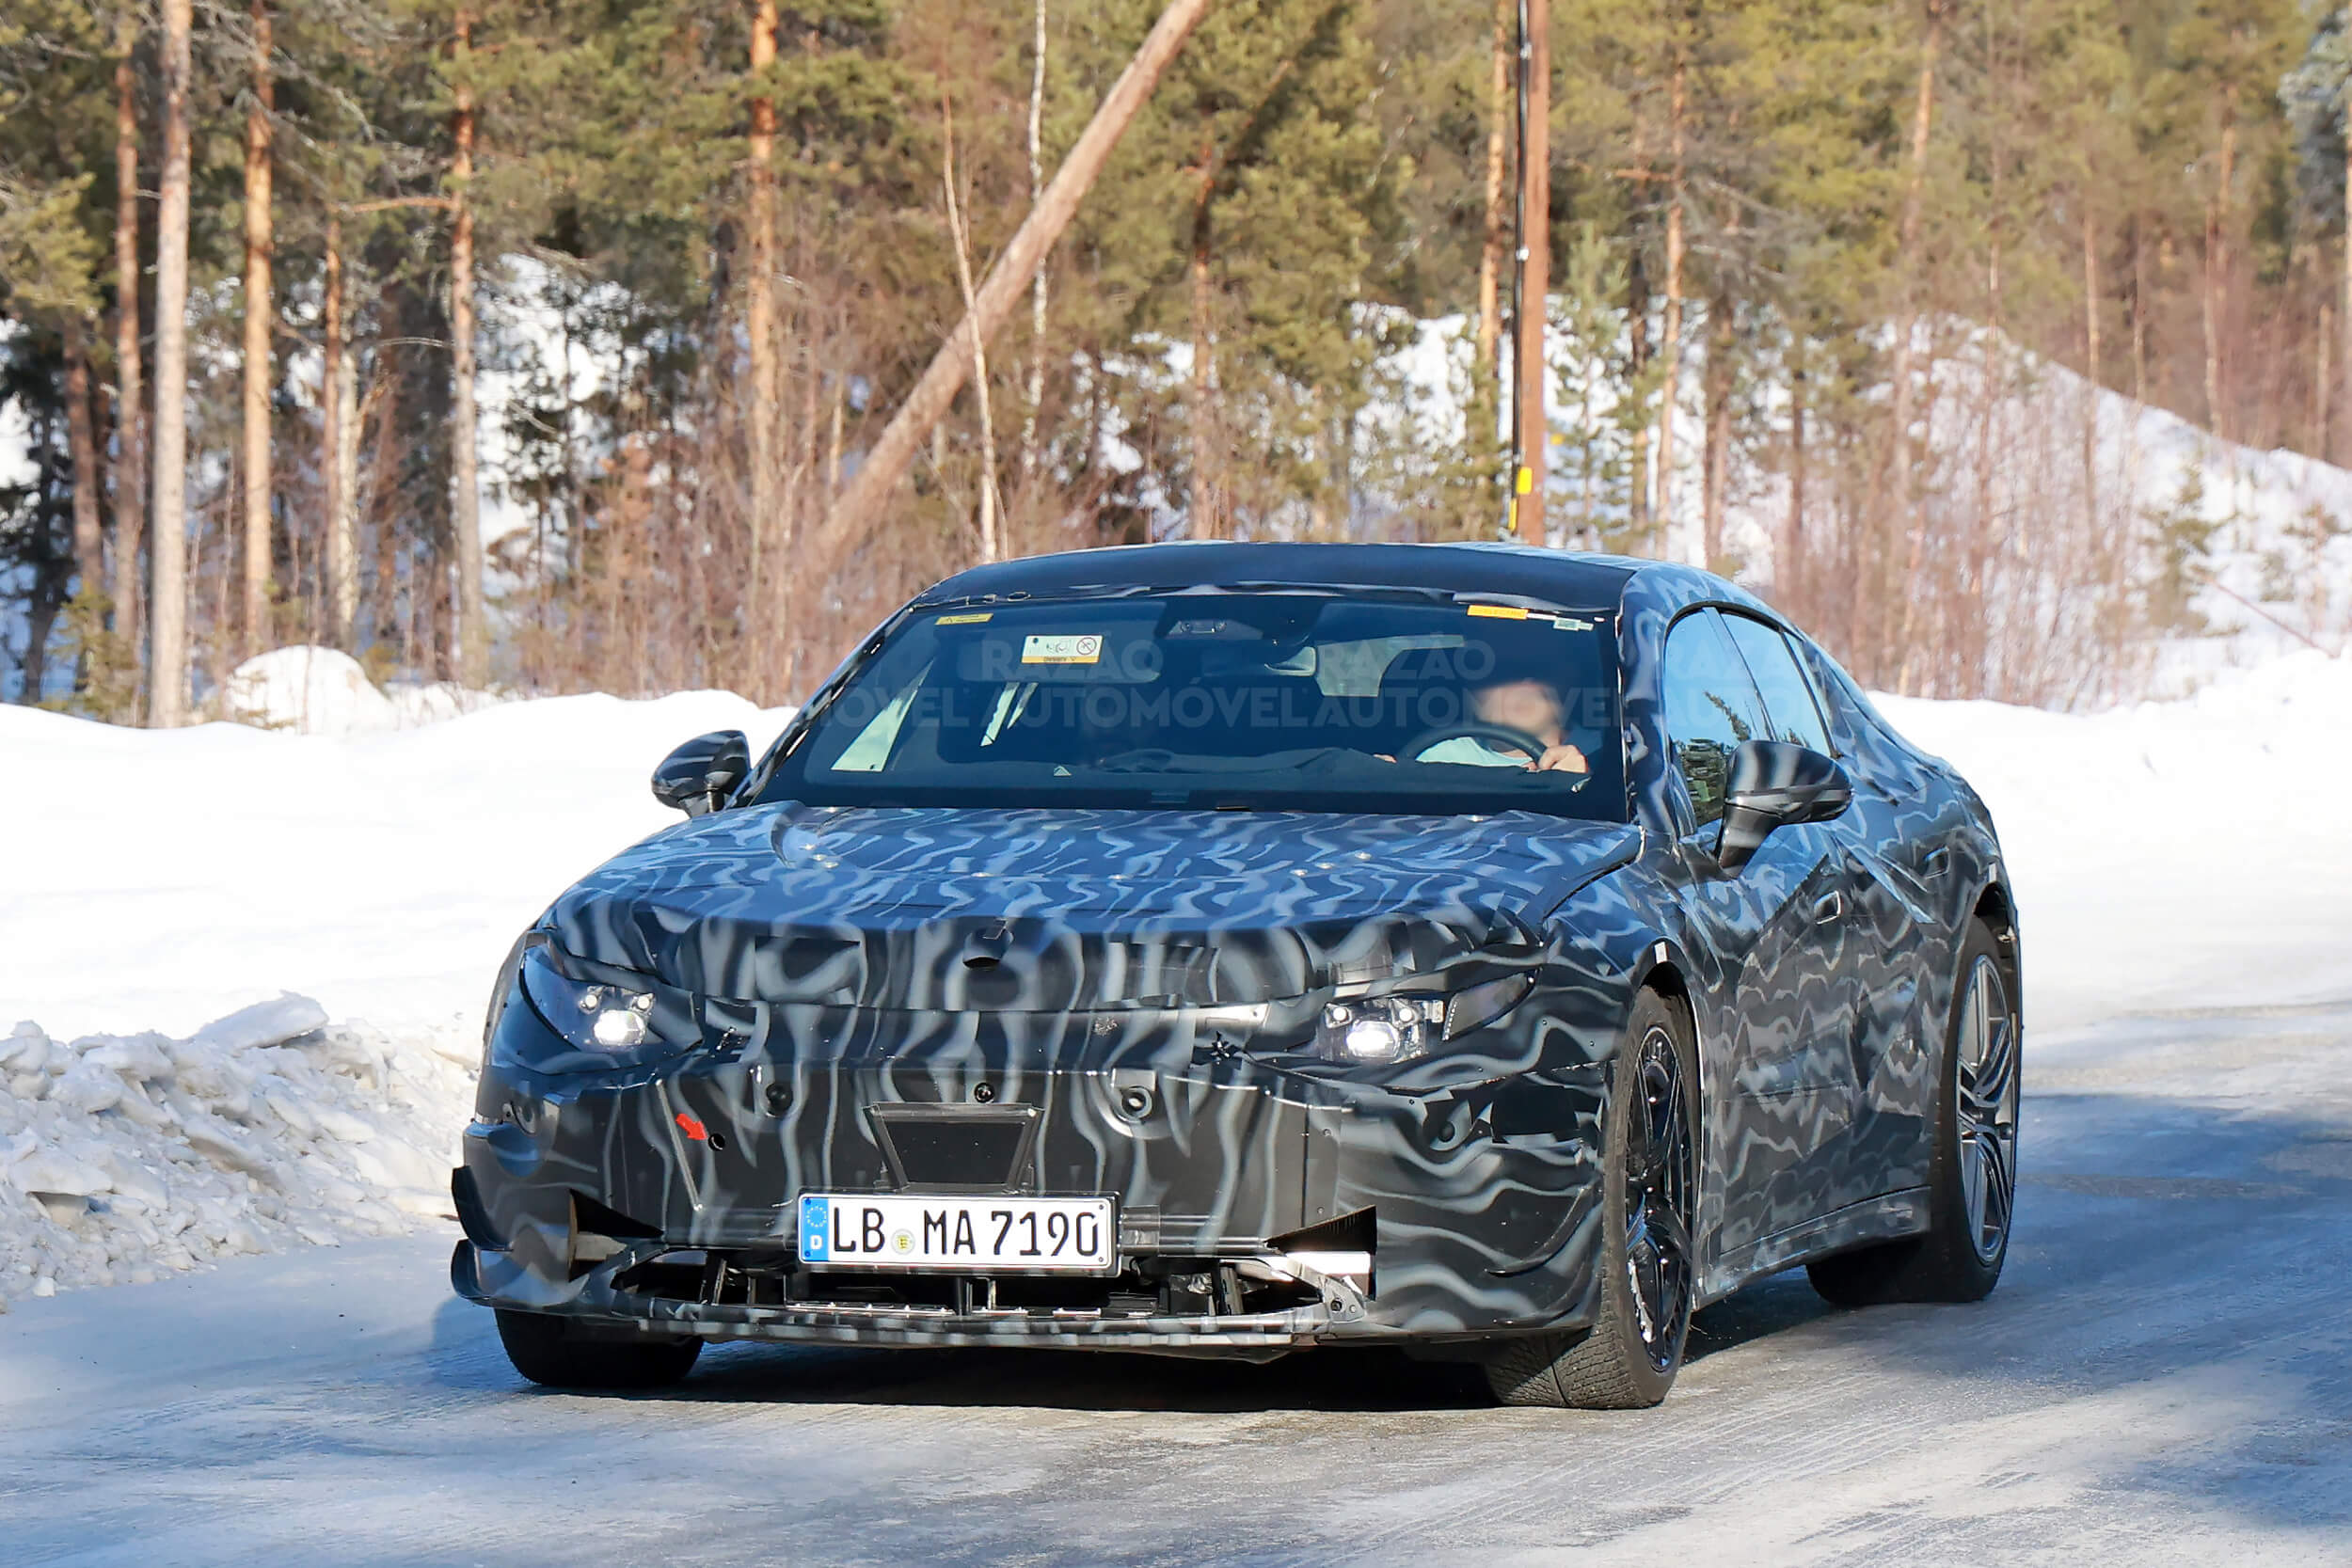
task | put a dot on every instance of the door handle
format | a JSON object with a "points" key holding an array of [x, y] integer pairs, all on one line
{"points": [[1937, 863], [1828, 907]]}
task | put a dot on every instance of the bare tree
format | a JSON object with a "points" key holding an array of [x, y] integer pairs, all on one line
{"points": [[474, 631], [1498, 232], [82, 442], [259, 318], [1033, 390], [130, 401], [861, 504], [341, 563], [167, 697], [760, 325], [961, 235]]}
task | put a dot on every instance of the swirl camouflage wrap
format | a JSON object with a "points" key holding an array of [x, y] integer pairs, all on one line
{"points": [[1319, 1071]]}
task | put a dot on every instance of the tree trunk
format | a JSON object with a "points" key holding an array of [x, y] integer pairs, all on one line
{"points": [[2323, 379], [1529, 367], [1497, 235], [2343, 316], [2091, 361], [82, 443], [1637, 334], [766, 390], [1033, 391], [258, 317], [1906, 323], [2217, 268], [334, 412], [130, 400], [1792, 572], [1206, 504], [989, 549], [473, 632], [1672, 346], [1716, 475], [167, 698], [885, 465], [2140, 312]]}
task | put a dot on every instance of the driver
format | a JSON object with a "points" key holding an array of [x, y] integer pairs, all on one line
{"points": [[1533, 708]]}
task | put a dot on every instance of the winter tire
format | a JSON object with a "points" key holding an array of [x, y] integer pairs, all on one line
{"points": [[1648, 1268], [1972, 1180]]}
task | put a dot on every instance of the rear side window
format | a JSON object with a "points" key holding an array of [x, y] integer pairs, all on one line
{"points": [[1790, 707], [1712, 707]]}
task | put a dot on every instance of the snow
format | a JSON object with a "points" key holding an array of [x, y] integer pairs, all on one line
{"points": [[165, 888], [313, 690], [124, 1158]]}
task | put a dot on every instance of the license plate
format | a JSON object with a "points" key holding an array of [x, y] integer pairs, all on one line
{"points": [[981, 1235]]}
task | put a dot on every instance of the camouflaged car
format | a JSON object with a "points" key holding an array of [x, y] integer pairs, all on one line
{"points": [[1228, 949]]}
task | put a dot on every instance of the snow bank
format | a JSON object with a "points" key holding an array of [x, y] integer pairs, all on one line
{"points": [[126, 1157], [158, 880], [310, 691], [2195, 852]]}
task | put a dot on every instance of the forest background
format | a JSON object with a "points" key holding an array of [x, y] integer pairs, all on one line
{"points": [[1845, 273]]}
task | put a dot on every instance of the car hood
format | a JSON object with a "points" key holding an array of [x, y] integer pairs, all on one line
{"points": [[1056, 909]]}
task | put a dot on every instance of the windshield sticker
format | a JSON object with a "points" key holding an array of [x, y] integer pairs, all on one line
{"points": [[1566, 623], [1499, 612], [966, 620], [1086, 649]]}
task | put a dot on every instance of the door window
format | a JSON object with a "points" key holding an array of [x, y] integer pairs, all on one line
{"points": [[1711, 706], [1789, 704]]}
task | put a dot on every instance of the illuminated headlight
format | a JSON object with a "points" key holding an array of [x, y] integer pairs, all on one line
{"points": [[1375, 1031], [1372, 1030], [606, 1025]]}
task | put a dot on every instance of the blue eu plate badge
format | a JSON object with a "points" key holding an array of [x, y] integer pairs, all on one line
{"points": [[816, 1223]]}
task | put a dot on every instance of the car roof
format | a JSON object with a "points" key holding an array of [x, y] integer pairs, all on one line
{"points": [[1557, 577]]}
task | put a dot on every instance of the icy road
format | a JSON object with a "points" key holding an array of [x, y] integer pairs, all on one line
{"points": [[2162, 1378]]}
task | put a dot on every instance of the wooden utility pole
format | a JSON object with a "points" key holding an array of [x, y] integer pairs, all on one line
{"points": [[861, 506], [1533, 435], [766, 390], [130, 400], [474, 631], [168, 695], [259, 318]]}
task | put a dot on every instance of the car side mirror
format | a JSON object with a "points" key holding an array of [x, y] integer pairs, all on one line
{"points": [[698, 776], [1776, 784]]}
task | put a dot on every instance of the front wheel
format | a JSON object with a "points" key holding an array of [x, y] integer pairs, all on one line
{"points": [[1972, 1180], [548, 1350], [1649, 1278]]}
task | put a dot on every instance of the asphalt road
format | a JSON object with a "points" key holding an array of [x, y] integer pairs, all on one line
{"points": [[2162, 1378]]}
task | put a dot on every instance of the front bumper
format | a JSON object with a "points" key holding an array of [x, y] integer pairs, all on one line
{"points": [[1471, 1183]]}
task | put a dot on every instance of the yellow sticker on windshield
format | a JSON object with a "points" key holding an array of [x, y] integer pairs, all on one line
{"points": [[965, 620], [1086, 649], [1499, 612]]}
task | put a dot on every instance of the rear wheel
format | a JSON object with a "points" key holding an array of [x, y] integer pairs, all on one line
{"points": [[1972, 1180], [1649, 1178], [548, 1349]]}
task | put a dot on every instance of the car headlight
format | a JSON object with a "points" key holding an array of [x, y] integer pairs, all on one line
{"points": [[606, 1025], [1375, 1031]]}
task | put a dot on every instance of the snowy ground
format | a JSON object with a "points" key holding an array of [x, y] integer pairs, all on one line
{"points": [[2161, 1379]]}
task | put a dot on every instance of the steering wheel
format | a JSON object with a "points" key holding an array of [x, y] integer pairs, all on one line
{"points": [[1519, 740]]}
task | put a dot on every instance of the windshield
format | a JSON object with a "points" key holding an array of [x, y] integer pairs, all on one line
{"points": [[1286, 699]]}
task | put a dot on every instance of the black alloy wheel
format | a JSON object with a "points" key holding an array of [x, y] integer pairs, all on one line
{"points": [[1648, 1264], [1972, 1177]]}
